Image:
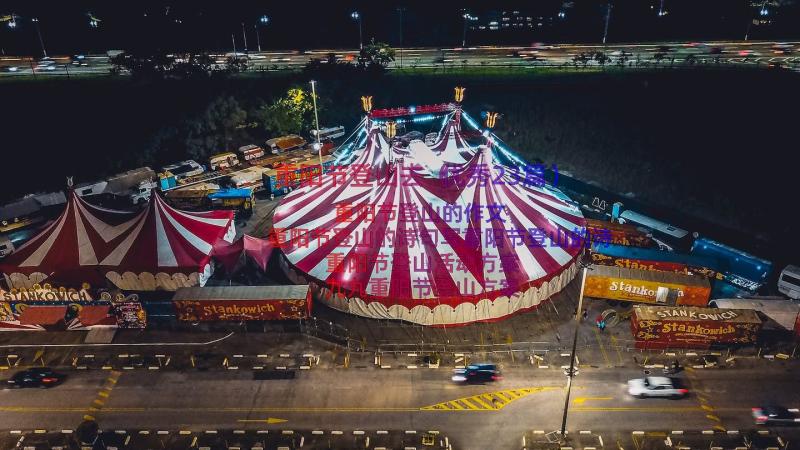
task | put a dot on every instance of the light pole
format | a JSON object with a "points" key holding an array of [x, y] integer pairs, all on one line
{"points": [[318, 144], [244, 38], [355, 15], [661, 11], [608, 19], [35, 21], [571, 372], [400, 10], [763, 11], [264, 20], [233, 40], [467, 17]]}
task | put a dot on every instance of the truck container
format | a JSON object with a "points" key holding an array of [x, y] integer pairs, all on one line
{"points": [[285, 143], [191, 197], [643, 286], [653, 259], [741, 269], [666, 235], [238, 303], [656, 327], [250, 178], [238, 199], [615, 233], [280, 180], [223, 161]]}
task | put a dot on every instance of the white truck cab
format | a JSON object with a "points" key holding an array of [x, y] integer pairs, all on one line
{"points": [[789, 282]]}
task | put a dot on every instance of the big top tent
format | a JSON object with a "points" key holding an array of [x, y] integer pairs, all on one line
{"points": [[68, 250], [166, 248], [475, 242], [157, 248]]}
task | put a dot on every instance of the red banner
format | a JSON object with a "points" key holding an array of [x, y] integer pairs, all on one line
{"points": [[237, 310]]}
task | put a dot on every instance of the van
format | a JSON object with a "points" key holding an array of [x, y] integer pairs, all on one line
{"points": [[789, 282], [251, 151], [223, 161]]}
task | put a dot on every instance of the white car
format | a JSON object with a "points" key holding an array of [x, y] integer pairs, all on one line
{"points": [[656, 387]]}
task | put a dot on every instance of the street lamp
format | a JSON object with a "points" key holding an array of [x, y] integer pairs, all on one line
{"points": [[608, 19], [562, 15], [263, 20], [571, 372], [94, 22], [467, 17], [35, 21], [318, 144], [661, 11], [357, 17]]}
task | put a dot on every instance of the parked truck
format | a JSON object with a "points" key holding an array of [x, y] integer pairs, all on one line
{"points": [[615, 233], [617, 284], [653, 259], [656, 327]]}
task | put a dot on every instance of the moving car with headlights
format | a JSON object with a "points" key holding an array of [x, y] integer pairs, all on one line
{"points": [[657, 387], [41, 377], [775, 415], [477, 373]]}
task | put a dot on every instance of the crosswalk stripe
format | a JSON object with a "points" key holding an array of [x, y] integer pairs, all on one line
{"points": [[487, 401], [469, 405], [485, 405]]}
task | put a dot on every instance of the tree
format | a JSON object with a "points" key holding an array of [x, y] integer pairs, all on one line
{"points": [[291, 113], [375, 56], [219, 128], [235, 64]]}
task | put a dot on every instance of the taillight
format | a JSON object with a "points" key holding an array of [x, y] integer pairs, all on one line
{"points": [[761, 419], [48, 380], [683, 391], [497, 377]]}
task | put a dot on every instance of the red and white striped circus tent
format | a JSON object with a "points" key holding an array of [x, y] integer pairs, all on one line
{"points": [[474, 243], [68, 250], [157, 248], [166, 248]]}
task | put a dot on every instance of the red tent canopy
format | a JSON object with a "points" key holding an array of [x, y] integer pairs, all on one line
{"points": [[67, 252], [166, 248]]}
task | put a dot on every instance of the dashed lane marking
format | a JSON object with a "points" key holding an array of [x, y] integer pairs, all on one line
{"points": [[489, 401]]}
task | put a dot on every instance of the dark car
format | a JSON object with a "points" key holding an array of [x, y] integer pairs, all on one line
{"points": [[477, 373], [771, 415], [41, 377]]}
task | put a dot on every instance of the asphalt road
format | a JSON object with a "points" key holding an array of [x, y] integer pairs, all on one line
{"points": [[734, 52], [398, 399]]}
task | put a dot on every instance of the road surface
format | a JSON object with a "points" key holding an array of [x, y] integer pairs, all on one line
{"points": [[479, 416], [724, 53]]}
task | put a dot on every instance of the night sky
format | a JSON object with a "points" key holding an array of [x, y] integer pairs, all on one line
{"points": [[188, 25]]}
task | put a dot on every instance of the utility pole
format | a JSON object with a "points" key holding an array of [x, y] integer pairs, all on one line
{"points": [[571, 372], [608, 19], [244, 37]]}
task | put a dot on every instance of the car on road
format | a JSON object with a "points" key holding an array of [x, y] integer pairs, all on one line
{"points": [[773, 415], [477, 373], [657, 387], [41, 377]]}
